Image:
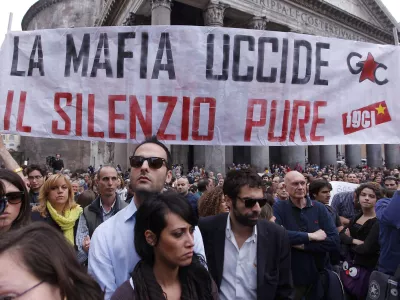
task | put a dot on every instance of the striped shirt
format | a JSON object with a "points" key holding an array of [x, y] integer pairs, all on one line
{"points": [[343, 203]]}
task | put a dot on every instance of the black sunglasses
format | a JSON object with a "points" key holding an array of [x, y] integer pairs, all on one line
{"points": [[154, 162], [250, 202], [12, 198]]}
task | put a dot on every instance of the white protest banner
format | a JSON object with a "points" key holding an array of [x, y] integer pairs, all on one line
{"points": [[196, 85], [340, 187]]}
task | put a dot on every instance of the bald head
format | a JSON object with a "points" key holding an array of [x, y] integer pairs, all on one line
{"points": [[182, 186], [295, 184]]}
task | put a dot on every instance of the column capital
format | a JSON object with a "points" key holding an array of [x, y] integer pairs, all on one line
{"points": [[259, 23], [214, 14], [130, 20], [163, 3]]}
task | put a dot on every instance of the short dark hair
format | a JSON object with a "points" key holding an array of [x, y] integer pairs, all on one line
{"points": [[153, 140], [48, 256], [39, 168], [391, 178], [317, 185], [24, 215], [236, 179], [202, 184], [105, 166]]}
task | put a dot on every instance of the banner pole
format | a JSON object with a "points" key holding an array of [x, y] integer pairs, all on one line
{"points": [[10, 20]]}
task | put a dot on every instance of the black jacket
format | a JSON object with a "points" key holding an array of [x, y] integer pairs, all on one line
{"points": [[274, 278], [94, 213], [367, 254]]}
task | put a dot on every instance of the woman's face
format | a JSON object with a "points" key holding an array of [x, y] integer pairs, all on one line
{"points": [[58, 195], [223, 206], [175, 245], [367, 198], [378, 179], [334, 178], [15, 279], [12, 210]]}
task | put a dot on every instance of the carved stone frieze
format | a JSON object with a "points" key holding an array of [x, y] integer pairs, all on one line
{"points": [[130, 20]]}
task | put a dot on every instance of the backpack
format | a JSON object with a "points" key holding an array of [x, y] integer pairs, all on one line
{"points": [[383, 286]]}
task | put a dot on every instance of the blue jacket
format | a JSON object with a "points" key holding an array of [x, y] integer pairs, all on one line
{"points": [[387, 212], [308, 263]]}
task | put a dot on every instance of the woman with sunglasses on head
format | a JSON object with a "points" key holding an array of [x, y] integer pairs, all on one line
{"points": [[37, 263], [14, 203], [169, 269], [57, 206]]}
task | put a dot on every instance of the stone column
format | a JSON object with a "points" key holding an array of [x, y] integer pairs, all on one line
{"points": [[328, 155], [374, 156], [215, 155], [199, 156], [353, 155], [214, 14], [160, 12], [260, 158], [392, 156], [259, 23], [215, 159], [291, 155], [228, 156], [313, 155]]}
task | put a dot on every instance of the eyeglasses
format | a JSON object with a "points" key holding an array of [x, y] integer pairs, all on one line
{"points": [[35, 177], [154, 162], [12, 198], [250, 202], [23, 293]]}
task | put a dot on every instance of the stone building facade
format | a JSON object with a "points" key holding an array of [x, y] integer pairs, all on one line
{"points": [[360, 20]]}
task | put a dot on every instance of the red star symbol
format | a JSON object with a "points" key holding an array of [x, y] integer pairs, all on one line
{"points": [[369, 68]]}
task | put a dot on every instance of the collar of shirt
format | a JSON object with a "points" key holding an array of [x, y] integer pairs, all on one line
{"points": [[308, 203], [229, 232], [129, 212], [112, 206]]}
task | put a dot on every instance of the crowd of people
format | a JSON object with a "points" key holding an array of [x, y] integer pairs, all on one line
{"points": [[158, 232]]}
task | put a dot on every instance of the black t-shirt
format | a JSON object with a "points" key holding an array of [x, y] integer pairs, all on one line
{"points": [[58, 164]]}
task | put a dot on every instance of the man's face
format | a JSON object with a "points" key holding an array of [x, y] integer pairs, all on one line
{"points": [[107, 182], [275, 183], [340, 173], [211, 184], [145, 178], [266, 179], [326, 177], [244, 215], [352, 178], [324, 195], [395, 171], [281, 191], [296, 186], [36, 180], [211, 174], [219, 176], [182, 186], [75, 187], [58, 156], [390, 184], [221, 182], [319, 174]]}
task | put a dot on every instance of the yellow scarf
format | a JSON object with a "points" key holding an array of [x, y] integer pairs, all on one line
{"points": [[66, 222]]}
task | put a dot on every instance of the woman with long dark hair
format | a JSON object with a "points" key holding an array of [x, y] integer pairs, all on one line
{"points": [[37, 263], [15, 199], [361, 237], [169, 268]]}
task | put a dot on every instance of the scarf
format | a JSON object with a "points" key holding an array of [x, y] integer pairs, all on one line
{"points": [[66, 222]]}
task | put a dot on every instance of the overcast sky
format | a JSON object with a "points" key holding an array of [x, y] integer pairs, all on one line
{"points": [[19, 8]]}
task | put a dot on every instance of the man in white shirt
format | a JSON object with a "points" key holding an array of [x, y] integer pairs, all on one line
{"points": [[112, 254], [248, 258]]}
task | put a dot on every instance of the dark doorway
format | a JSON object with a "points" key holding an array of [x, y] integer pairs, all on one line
{"points": [[242, 155], [183, 14]]}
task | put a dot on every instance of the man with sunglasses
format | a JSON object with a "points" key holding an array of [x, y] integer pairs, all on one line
{"points": [[312, 234], [112, 255], [248, 257]]}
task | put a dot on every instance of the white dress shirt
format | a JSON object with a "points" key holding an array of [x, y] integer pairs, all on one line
{"points": [[112, 254], [239, 276]]}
